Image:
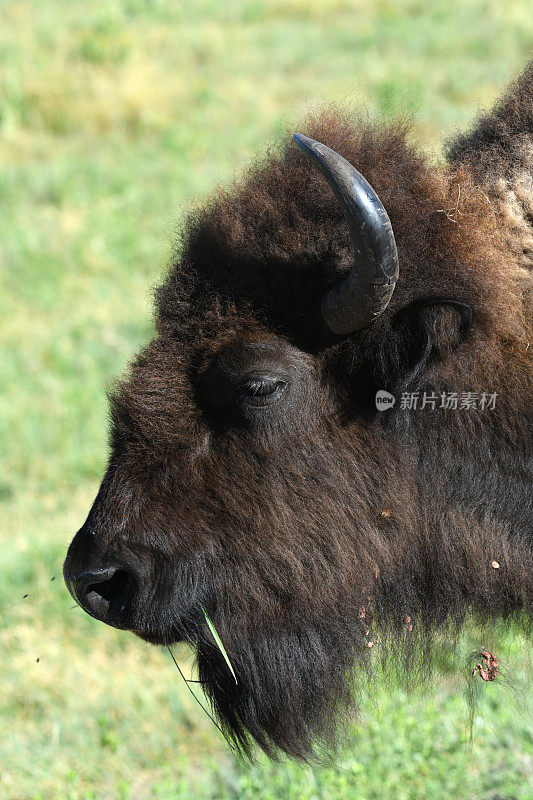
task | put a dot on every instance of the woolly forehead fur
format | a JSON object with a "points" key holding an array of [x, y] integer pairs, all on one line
{"points": [[256, 261], [274, 244], [280, 531]]}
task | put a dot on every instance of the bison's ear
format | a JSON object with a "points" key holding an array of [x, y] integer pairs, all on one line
{"points": [[420, 334]]}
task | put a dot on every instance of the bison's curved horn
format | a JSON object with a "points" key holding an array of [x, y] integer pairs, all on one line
{"points": [[367, 290]]}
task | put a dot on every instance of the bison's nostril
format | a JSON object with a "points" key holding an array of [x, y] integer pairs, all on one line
{"points": [[103, 593], [112, 589]]}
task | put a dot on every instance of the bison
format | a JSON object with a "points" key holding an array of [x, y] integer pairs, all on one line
{"points": [[253, 474]]}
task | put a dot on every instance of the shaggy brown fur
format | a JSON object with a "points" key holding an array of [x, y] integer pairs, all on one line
{"points": [[293, 523]]}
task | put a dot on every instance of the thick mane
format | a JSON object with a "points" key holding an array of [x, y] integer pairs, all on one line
{"points": [[500, 144], [499, 153]]}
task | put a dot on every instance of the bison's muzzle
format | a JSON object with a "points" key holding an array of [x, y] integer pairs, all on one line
{"points": [[104, 588]]}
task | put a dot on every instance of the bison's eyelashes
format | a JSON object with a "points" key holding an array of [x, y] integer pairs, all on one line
{"points": [[257, 385], [262, 390]]}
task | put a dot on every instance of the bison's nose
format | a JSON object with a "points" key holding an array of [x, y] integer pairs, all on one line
{"points": [[103, 593]]}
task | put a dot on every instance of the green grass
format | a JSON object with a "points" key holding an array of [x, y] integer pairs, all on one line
{"points": [[114, 117]]}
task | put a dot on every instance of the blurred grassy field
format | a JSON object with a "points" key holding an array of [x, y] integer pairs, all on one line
{"points": [[113, 117]]}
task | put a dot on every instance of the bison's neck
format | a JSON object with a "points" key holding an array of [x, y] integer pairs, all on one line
{"points": [[475, 494], [472, 471], [469, 547]]}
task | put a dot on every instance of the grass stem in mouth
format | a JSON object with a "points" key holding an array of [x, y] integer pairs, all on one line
{"points": [[218, 641]]}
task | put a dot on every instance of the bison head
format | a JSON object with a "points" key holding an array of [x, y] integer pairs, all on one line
{"points": [[251, 473]]}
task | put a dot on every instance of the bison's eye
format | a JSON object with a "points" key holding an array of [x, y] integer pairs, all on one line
{"points": [[260, 390], [262, 386]]}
